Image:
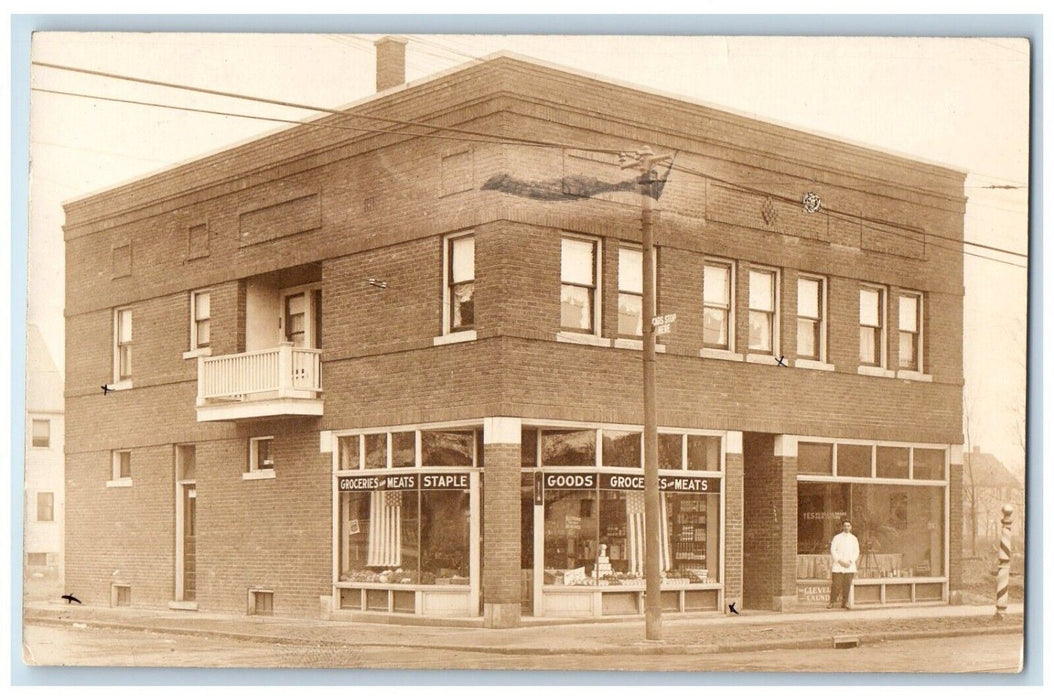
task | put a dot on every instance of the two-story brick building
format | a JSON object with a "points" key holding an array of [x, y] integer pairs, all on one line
{"points": [[389, 362]]}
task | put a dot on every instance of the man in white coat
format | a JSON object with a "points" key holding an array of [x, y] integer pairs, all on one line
{"points": [[845, 550]]}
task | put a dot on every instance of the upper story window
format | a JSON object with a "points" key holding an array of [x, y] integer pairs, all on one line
{"points": [[122, 464], [302, 316], [200, 320], [872, 326], [460, 276], [718, 309], [812, 303], [578, 278], [630, 292], [41, 432], [261, 455], [763, 321], [909, 325], [45, 506], [122, 335]]}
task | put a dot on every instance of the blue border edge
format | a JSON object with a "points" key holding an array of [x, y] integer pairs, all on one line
{"points": [[1027, 26]]}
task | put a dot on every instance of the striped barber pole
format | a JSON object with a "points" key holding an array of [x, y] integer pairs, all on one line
{"points": [[1002, 578], [635, 532], [385, 518]]}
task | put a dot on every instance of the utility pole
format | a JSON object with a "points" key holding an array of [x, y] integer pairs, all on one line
{"points": [[645, 161]]}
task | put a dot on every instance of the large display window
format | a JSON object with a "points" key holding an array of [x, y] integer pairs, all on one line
{"points": [[894, 495]]}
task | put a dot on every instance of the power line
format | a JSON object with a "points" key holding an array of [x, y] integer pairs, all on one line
{"points": [[481, 137], [296, 105]]}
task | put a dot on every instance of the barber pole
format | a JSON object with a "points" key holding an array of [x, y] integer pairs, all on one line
{"points": [[1002, 577]]}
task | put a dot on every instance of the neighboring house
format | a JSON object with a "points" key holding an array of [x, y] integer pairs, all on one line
{"points": [[396, 369], [991, 485], [44, 473]]}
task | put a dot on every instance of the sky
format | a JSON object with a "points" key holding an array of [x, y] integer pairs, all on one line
{"points": [[957, 102]]}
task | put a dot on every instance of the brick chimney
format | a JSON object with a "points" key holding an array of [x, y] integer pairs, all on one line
{"points": [[391, 62]]}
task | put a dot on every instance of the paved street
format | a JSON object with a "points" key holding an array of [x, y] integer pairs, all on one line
{"points": [[94, 646]]}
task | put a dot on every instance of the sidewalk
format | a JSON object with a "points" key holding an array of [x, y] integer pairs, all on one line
{"points": [[693, 634]]}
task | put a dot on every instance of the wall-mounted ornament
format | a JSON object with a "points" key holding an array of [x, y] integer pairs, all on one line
{"points": [[811, 202]]}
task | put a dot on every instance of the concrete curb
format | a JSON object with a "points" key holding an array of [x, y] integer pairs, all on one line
{"points": [[652, 649]]}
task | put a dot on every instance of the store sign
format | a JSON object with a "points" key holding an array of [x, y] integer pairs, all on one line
{"points": [[570, 481], [444, 481], [661, 324], [814, 592], [405, 482]]}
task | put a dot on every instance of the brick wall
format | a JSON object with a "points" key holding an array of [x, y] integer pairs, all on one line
{"points": [[501, 534], [770, 545], [734, 529], [955, 527]]}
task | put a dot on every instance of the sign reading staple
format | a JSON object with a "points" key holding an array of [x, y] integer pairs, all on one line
{"points": [[444, 481]]}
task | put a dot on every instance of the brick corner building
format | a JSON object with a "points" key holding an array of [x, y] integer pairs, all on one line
{"points": [[389, 363]]}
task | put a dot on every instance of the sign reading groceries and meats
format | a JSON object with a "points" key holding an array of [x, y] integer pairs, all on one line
{"points": [[631, 482], [404, 482]]}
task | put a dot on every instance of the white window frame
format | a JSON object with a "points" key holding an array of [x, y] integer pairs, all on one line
{"points": [[197, 350], [730, 350], [255, 469], [116, 479], [571, 334], [308, 290], [465, 334], [758, 353], [919, 321], [33, 435], [820, 362], [118, 381], [883, 308]]}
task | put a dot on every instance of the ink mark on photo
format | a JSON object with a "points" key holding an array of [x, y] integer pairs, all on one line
{"points": [[779, 361], [732, 608], [106, 389]]}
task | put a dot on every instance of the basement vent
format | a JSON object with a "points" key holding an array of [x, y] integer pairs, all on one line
{"points": [[261, 602], [120, 596]]}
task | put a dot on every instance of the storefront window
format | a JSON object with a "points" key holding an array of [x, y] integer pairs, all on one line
{"points": [[670, 456], [570, 535], [900, 528], [854, 460], [348, 446], [891, 462], [569, 448], [704, 452], [376, 450], [527, 520], [378, 536], [446, 448], [815, 458], [445, 537], [529, 447], [404, 449], [621, 449], [692, 537], [928, 464]]}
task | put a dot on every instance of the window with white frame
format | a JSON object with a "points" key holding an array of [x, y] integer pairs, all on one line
{"points": [[811, 318], [261, 454], [578, 285], [41, 432], [718, 324], [872, 326], [45, 506], [460, 276], [200, 320], [762, 318], [122, 356], [630, 292], [122, 465], [909, 326]]}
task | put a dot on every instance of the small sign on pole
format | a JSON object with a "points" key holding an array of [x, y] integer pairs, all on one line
{"points": [[661, 324]]}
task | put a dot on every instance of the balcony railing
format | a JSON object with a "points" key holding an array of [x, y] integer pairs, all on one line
{"points": [[276, 381]]}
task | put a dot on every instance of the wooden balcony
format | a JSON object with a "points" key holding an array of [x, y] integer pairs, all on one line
{"points": [[280, 381]]}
